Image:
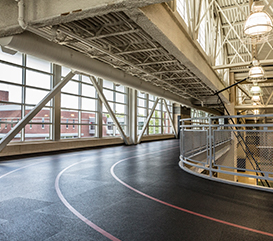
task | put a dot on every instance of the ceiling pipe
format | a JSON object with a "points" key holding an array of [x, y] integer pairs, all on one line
{"points": [[21, 14], [22, 21]]}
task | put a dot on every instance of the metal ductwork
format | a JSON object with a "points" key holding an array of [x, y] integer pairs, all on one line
{"points": [[39, 47]]}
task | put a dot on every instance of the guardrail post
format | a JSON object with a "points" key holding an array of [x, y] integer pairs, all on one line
{"points": [[210, 148], [182, 139]]}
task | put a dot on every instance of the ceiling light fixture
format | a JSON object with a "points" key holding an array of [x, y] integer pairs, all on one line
{"points": [[256, 90], [259, 22], [256, 72]]}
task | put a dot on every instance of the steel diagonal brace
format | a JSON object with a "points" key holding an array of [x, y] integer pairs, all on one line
{"points": [[110, 111], [170, 118], [246, 149], [22, 123], [147, 121], [235, 32]]}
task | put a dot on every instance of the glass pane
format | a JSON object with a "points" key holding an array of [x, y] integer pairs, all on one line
{"points": [[39, 64], [89, 127], [121, 119], [111, 106], [86, 79], [120, 88], [108, 95], [151, 104], [157, 114], [43, 115], [120, 98], [71, 87], [158, 106], [139, 94], [69, 130], [16, 58], [120, 109], [167, 130], [34, 96], [151, 97], [10, 115], [10, 73], [108, 84], [38, 79], [88, 104], [37, 132], [88, 90], [141, 112], [11, 93], [141, 102], [88, 118], [69, 101], [69, 116], [140, 122], [65, 71]]}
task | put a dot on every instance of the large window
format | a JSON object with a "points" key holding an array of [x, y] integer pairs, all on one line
{"points": [[181, 8], [26, 80], [117, 97], [159, 122], [78, 107]]}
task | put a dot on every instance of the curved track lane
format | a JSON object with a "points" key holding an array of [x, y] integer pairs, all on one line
{"points": [[98, 207]]}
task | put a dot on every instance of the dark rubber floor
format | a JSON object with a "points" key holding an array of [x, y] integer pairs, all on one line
{"points": [[31, 208]]}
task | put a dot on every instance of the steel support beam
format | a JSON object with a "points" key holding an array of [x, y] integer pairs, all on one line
{"points": [[229, 66], [250, 107], [269, 98], [170, 118], [110, 111], [147, 121], [235, 32], [34, 111]]}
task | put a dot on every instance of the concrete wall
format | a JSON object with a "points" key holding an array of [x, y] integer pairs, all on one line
{"points": [[22, 148]]}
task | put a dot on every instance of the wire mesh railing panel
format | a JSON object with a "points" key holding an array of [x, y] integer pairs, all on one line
{"points": [[194, 141], [240, 151], [260, 150], [221, 135]]}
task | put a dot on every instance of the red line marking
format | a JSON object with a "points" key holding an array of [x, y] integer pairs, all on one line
{"points": [[179, 208]]}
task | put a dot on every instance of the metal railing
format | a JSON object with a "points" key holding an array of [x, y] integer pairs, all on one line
{"points": [[240, 154]]}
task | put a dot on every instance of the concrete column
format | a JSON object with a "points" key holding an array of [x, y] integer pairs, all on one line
{"points": [[132, 96], [56, 113], [99, 111], [23, 101]]}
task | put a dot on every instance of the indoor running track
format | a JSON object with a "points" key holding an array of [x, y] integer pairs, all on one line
{"points": [[125, 193]]}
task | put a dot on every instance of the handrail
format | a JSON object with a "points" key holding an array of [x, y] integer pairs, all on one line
{"points": [[259, 163]]}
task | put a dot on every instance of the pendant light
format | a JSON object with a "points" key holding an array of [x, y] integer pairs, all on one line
{"points": [[259, 22]]}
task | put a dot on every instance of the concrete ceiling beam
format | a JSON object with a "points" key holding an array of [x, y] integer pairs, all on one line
{"points": [[172, 35], [40, 13], [32, 44]]}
